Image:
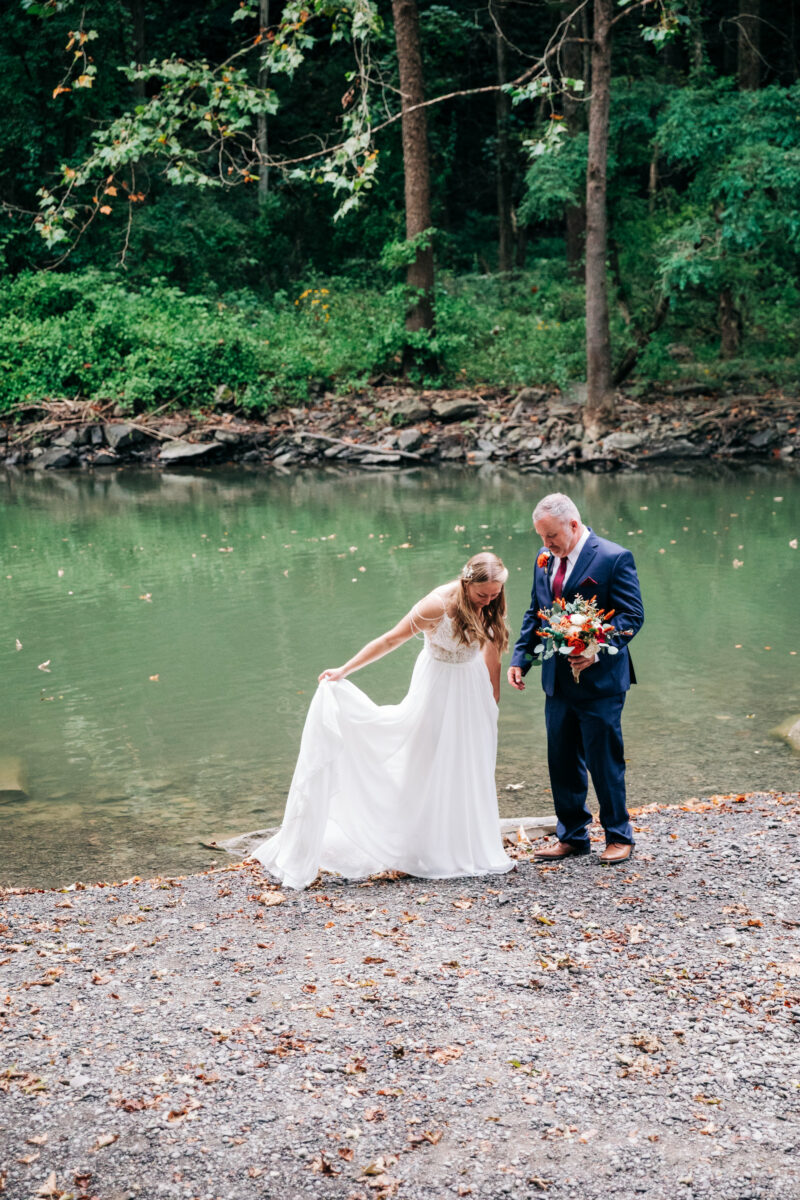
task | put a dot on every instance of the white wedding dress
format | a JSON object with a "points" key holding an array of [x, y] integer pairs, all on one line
{"points": [[407, 787]]}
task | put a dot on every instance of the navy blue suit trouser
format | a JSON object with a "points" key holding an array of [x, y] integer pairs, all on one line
{"points": [[587, 736]]}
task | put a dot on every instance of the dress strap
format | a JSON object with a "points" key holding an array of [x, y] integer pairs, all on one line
{"points": [[422, 625]]}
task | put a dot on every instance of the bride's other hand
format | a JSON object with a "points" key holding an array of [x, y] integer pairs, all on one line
{"points": [[332, 675]]}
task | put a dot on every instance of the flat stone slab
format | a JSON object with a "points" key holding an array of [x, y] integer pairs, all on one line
{"points": [[123, 436], [13, 779], [789, 731], [457, 410], [57, 458], [178, 452]]}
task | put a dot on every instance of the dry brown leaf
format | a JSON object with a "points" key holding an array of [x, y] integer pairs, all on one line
{"points": [[321, 1165], [270, 899], [105, 1139], [379, 1165]]}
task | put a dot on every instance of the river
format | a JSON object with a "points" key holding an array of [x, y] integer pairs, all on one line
{"points": [[172, 627]]}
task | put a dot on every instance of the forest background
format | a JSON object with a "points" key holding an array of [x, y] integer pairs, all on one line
{"points": [[266, 201]]}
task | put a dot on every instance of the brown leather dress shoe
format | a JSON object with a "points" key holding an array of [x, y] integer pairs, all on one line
{"points": [[615, 852], [559, 850]]}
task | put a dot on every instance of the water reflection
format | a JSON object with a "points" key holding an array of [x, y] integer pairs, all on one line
{"points": [[185, 618]]}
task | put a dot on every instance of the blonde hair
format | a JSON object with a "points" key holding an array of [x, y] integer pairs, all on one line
{"points": [[485, 624]]}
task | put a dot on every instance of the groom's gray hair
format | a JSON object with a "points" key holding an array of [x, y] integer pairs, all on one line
{"points": [[556, 505]]}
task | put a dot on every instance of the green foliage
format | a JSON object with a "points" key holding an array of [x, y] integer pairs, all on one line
{"points": [[93, 334], [741, 211], [401, 254]]}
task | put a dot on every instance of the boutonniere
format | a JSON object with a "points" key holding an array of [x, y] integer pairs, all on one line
{"points": [[543, 559]]}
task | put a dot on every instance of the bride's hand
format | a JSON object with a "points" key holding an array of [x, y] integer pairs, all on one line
{"points": [[332, 675]]}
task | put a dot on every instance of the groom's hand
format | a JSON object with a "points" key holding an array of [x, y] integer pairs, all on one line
{"points": [[514, 677], [579, 662]]}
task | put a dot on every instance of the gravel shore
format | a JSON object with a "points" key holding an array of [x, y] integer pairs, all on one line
{"points": [[567, 1029]]}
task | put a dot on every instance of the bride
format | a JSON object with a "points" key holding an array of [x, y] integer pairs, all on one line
{"points": [[406, 787]]}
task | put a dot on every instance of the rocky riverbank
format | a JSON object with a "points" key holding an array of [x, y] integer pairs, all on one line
{"points": [[535, 429], [566, 1029]]}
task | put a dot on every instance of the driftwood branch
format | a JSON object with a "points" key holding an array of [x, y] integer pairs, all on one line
{"points": [[322, 437]]}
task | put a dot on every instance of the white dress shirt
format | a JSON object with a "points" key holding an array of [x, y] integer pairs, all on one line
{"points": [[572, 558]]}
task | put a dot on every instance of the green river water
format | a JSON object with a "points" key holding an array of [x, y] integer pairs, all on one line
{"points": [[184, 619]]}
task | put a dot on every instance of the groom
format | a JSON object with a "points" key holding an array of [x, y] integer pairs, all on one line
{"points": [[583, 718]]}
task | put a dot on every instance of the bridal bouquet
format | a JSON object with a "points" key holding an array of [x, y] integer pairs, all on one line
{"points": [[577, 627]]}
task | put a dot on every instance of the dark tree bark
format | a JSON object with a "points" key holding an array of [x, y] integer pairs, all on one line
{"points": [[505, 221], [136, 11], [730, 324], [575, 114], [749, 45], [697, 45], [262, 138], [416, 167], [599, 387]]}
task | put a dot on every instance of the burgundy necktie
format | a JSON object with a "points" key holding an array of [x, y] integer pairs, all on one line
{"points": [[558, 582]]}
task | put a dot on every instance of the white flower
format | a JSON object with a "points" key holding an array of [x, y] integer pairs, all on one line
{"points": [[576, 619]]}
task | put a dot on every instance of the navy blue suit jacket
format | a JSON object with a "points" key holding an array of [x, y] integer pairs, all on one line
{"points": [[608, 572]]}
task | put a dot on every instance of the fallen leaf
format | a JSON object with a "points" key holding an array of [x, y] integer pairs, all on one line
{"points": [[321, 1165], [379, 1165], [45, 666], [105, 1139], [38, 1140], [270, 899]]}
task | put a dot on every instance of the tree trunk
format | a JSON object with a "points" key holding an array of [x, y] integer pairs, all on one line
{"points": [[262, 139], [730, 324], [749, 47], [505, 224], [417, 170], [575, 114], [697, 45], [652, 180], [599, 390], [136, 10]]}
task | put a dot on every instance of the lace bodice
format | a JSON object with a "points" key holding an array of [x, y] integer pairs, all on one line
{"points": [[444, 645]]}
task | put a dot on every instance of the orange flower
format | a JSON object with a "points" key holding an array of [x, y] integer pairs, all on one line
{"points": [[543, 559]]}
